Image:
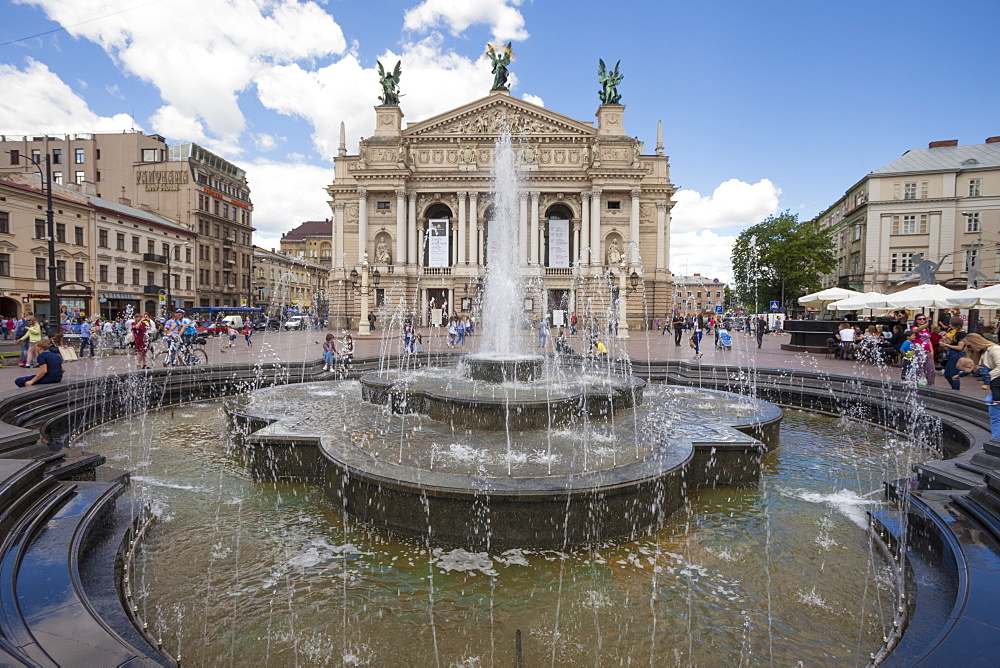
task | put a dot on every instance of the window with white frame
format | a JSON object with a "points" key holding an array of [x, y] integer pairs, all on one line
{"points": [[975, 187], [857, 231], [901, 262], [972, 222], [910, 190], [909, 224], [856, 263], [971, 256]]}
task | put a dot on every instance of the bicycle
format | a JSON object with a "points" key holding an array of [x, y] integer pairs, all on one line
{"points": [[183, 354]]}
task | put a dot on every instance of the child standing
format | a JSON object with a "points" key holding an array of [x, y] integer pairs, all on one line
{"points": [[232, 333], [248, 333], [908, 350]]}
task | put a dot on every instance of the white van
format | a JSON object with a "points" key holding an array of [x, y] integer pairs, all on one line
{"points": [[234, 321]]}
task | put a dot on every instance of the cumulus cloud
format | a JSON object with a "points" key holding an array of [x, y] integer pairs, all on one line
{"points": [[533, 99], [44, 103], [505, 21], [201, 74], [701, 252], [284, 195], [433, 81], [733, 202], [704, 228]]}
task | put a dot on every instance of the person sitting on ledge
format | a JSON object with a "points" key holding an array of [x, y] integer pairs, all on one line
{"points": [[50, 367]]}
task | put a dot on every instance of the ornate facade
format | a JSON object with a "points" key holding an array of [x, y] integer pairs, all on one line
{"points": [[593, 207]]}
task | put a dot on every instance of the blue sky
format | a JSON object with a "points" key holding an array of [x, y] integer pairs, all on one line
{"points": [[766, 106]]}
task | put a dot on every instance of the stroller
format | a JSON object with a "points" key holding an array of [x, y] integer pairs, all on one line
{"points": [[723, 341]]}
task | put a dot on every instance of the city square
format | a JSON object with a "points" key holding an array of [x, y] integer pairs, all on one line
{"points": [[398, 357]]}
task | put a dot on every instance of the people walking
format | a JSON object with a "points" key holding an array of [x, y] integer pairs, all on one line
{"points": [[32, 335], [86, 337], [698, 330], [543, 332], [248, 334], [761, 328], [921, 327], [142, 330]]}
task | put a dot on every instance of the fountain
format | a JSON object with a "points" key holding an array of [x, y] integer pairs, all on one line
{"points": [[566, 451]]}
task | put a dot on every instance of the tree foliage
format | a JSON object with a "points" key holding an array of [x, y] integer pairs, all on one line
{"points": [[780, 249]]}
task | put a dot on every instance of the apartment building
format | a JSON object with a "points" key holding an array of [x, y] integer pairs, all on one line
{"points": [[111, 258], [932, 209], [185, 183], [284, 281], [311, 240]]}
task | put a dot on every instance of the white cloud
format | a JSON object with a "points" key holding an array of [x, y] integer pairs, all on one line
{"points": [[284, 195], [44, 103], [734, 202], [506, 22], [533, 99], [265, 142], [695, 244], [701, 252], [199, 65], [433, 80]]}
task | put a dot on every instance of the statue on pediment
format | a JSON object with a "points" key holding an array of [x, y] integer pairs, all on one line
{"points": [[390, 85], [500, 63], [609, 81]]}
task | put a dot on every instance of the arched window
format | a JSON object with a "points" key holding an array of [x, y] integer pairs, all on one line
{"points": [[438, 250]]}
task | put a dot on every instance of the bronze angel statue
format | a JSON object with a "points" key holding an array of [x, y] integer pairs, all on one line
{"points": [[500, 63], [390, 85], [609, 81]]}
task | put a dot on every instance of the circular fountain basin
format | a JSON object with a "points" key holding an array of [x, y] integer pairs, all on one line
{"points": [[517, 406], [584, 481], [504, 368]]}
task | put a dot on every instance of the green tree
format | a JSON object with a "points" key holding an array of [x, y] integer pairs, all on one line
{"points": [[780, 252]]}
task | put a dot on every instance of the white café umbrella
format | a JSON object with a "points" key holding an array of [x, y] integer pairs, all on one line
{"points": [[920, 296], [856, 303], [825, 297], [985, 298]]}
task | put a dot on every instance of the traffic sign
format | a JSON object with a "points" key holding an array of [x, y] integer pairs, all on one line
{"points": [[775, 305], [718, 308], [782, 309]]}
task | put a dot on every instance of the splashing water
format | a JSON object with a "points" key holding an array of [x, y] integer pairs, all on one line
{"points": [[504, 293]]}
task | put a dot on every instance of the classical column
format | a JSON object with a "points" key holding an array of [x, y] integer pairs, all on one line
{"points": [[584, 239], [482, 242], [576, 242], [338, 234], [411, 234], [534, 228], [362, 223], [661, 235], [633, 228], [474, 257], [461, 227], [400, 258], [595, 227], [420, 246], [524, 227]]}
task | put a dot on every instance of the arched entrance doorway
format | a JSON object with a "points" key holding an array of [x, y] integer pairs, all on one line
{"points": [[9, 308], [438, 248], [559, 251]]}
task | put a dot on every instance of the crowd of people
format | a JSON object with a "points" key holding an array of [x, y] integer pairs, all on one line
{"points": [[921, 347]]}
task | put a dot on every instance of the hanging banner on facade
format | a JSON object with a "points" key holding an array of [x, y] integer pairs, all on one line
{"points": [[437, 243], [558, 243], [491, 242]]}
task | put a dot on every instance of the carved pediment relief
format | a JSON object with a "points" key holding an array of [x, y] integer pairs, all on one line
{"points": [[489, 115]]}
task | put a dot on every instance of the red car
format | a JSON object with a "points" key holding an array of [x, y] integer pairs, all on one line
{"points": [[211, 328]]}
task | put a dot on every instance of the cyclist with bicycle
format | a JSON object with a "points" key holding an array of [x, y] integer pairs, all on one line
{"points": [[172, 334]]}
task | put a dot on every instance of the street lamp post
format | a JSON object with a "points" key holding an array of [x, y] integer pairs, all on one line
{"points": [[366, 274], [53, 326]]}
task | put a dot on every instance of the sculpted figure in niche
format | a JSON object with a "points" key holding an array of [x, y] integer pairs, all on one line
{"points": [[382, 253], [401, 155], [614, 252]]}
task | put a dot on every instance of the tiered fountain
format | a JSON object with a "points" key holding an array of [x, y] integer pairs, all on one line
{"points": [[510, 451]]}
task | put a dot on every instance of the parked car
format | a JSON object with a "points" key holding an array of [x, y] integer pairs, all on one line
{"points": [[211, 328], [297, 322], [267, 323]]}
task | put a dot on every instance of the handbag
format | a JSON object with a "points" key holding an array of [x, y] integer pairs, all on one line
{"points": [[129, 338]]}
